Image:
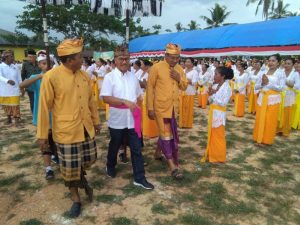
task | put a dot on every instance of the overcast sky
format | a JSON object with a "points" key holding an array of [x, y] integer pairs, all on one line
{"points": [[173, 11]]}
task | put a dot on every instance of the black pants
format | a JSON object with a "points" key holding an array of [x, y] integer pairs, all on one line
{"points": [[116, 139], [31, 100]]}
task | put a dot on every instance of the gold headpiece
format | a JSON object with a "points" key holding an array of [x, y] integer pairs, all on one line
{"points": [[69, 47], [173, 49]]}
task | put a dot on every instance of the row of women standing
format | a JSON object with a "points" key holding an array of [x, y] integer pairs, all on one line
{"points": [[273, 94]]}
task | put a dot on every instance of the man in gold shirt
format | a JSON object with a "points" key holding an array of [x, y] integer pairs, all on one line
{"points": [[66, 91], [166, 78]]}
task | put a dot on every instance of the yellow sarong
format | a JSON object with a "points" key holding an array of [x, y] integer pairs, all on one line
{"points": [[266, 120], [150, 129], [186, 110], [214, 140], [296, 111]]}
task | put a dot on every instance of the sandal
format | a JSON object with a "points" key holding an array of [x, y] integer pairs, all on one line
{"points": [[177, 175], [75, 210]]}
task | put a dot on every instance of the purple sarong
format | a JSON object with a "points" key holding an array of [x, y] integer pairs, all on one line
{"points": [[170, 147]]}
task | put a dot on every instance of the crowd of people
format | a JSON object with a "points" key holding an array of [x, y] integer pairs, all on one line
{"points": [[143, 98]]}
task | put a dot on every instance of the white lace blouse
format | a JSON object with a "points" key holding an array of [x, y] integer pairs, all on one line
{"points": [[221, 98], [276, 83]]}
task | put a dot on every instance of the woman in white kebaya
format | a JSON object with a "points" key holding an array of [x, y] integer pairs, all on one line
{"points": [[240, 84], [287, 99], [203, 83]]}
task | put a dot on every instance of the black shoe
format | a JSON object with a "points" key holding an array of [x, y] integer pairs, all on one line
{"points": [[49, 175], [111, 173], [55, 159], [75, 210], [123, 158], [144, 184], [89, 192]]}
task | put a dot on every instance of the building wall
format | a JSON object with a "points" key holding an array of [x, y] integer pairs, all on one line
{"points": [[19, 52]]}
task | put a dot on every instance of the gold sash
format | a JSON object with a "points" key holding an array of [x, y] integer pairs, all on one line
{"points": [[296, 118], [251, 97]]}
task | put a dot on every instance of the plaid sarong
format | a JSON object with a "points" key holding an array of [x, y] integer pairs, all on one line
{"points": [[73, 158]]}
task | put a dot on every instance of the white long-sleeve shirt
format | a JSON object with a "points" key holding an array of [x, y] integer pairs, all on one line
{"points": [[212, 70], [9, 72], [254, 77], [295, 78], [241, 82], [143, 77], [101, 71], [193, 77], [204, 79], [276, 83], [138, 73], [221, 98], [124, 86], [289, 94]]}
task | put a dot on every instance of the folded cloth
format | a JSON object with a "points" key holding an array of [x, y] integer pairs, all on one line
{"points": [[137, 117]]}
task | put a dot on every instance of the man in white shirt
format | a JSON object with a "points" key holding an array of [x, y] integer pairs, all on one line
{"points": [[122, 91], [10, 78]]}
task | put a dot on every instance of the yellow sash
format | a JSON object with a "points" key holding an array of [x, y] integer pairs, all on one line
{"points": [[210, 119], [202, 89], [12, 100], [239, 85], [263, 111], [95, 87], [231, 84], [251, 97], [296, 118]]}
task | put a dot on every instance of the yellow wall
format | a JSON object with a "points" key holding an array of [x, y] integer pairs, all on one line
{"points": [[19, 52]]}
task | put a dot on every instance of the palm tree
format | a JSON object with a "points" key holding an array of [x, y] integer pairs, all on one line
{"points": [[193, 25], [267, 5], [179, 27], [218, 16], [294, 14], [156, 28], [280, 11], [168, 30]]}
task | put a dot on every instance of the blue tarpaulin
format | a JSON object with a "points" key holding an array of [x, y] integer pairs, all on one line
{"points": [[277, 32]]}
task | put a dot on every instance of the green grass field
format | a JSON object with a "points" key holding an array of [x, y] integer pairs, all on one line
{"points": [[258, 185]]}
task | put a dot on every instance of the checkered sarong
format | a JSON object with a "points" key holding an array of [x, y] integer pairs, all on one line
{"points": [[76, 157]]}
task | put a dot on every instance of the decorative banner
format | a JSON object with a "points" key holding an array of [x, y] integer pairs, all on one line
{"points": [[138, 8], [104, 55]]}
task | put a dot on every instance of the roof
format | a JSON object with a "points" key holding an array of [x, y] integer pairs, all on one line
{"points": [[4, 41], [271, 34]]}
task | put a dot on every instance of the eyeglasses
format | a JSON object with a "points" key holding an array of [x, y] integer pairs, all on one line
{"points": [[122, 59]]}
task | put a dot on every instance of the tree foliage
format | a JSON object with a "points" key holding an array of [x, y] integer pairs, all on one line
{"points": [[218, 15], [281, 11], [77, 21], [267, 6], [156, 28], [193, 25], [179, 27]]}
